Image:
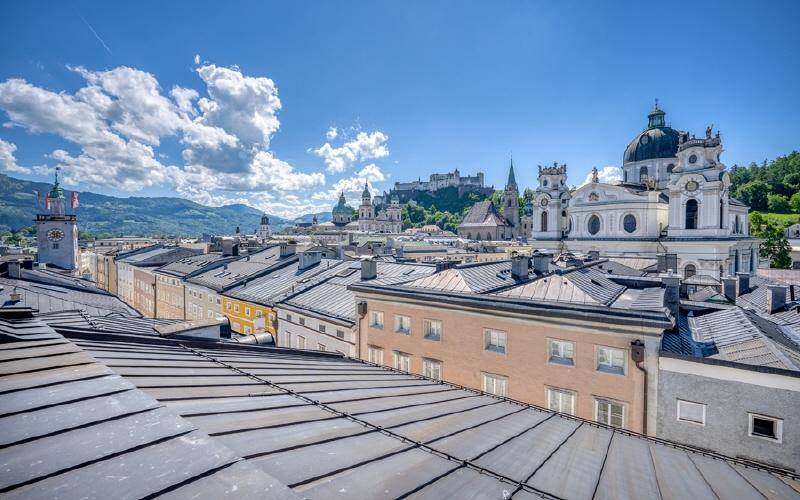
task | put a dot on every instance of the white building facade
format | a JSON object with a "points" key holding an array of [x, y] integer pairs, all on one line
{"points": [[674, 198], [374, 218]]}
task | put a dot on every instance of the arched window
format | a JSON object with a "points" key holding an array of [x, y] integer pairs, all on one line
{"points": [[593, 225], [469, 235], [737, 225], [721, 214], [629, 223], [488, 236], [643, 175], [691, 214], [689, 271], [670, 167], [544, 221], [478, 236], [736, 261]]}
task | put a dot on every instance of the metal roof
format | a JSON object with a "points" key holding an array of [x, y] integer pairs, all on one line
{"points": [[193, 264], [73, 428], [157, 256], [323, 425], [244, 268], [47, 297]]}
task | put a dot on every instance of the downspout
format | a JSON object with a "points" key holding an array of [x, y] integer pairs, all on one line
{"points": [[361, 312], [637, 354]]}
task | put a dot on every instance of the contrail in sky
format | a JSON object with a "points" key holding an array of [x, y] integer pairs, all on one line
{"points": [[95, 34]]}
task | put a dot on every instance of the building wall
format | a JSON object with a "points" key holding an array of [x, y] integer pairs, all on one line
{"points": [[144, 292], [333, 336], [247, 317], [729, 395], [525, 363], [125, 282], [170, 297], [107, 273], [201, 302]]}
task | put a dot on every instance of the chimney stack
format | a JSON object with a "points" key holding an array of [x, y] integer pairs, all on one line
{"points": [[444, 264], [776, 298], [594, 255], [730, 288], [672, 293], [369, 269], [520, 264], [744, 283], [308, 259], [288, 249], [541, 262], [661, 265]]}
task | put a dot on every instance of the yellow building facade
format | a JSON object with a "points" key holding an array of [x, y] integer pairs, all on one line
{"points": [[247, 317]]}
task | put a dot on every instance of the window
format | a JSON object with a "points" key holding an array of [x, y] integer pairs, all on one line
{"points": [[561, 352], [236, 308], [288, 317], [301, 342], [375, 355], [643, 175], [495, 384], [689, 271], [340, 334], [544, 221], [301, 320], [247, 311], [610, 360], [432, 368], [593, 225], [765, 427], [320, 347], [494, 340], [402, 324], [691, 412], [402, 361], [228, 306], [322, 328], [55, 246], [432, 329], [376, 319], [288, 340], [609, 412], [259, 313], [247, 329], [629, 223], [561, 401], [691, 214]]}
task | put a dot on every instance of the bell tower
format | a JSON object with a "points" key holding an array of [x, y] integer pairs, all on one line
{"points": [[511, 203], [57, 231], [550, 203]]}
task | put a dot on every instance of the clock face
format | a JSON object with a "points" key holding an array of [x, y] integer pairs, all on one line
{"points": [[55, 234], [544, 202], [691, 186]]}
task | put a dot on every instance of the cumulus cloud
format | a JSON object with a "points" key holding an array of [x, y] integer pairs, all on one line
{"points": [[7, 160], [364, 147], [197, 59], [120, 117], [332, 133], [606, 175], [352, 186]]}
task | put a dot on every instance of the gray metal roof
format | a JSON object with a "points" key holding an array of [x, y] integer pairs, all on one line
{"points": [[193, 264], [157, 256], [483, 277], [332, 298], [47, 297], [246, 267], [72, 428]]}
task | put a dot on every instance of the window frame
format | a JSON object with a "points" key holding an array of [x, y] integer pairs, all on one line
{"points": [[372, 323], [397, 321], [778, 426], [550, 343], [488, 344], [597, 368], [548, 391], [375, 352], [400, 355], [678, 404], [495, 377], [429, 362], [601, 400], [426, 323]]}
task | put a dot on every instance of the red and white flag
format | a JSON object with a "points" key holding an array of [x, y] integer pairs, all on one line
{"points": [[74, 200], [47, 201]]}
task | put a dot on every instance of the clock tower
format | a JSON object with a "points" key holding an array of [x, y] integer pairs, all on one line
{"points": [[57, 232]]}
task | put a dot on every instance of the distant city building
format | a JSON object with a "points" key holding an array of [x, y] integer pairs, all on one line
{"points": [[374, 218], [342, 212], [441, 181], [57, 232], [484, 220], [263, 234]]}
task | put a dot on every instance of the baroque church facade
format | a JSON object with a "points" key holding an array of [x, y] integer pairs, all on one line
{"points": [[674, 199], [375, 218]]}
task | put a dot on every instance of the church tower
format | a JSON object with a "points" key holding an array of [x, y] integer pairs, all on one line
{"points": [[57, 232], [550, 203], [511, 203], [366, 212], [263, 233]]}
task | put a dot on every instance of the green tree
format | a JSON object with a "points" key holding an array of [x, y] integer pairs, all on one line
{"points": [[776, 247], [794, 202], [778, 203], [754, 194]]}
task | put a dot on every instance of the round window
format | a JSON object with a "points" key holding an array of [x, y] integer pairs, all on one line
{"points": [[544, 183], [594, 224], [629, 223], [644, 140], [693, 159]]}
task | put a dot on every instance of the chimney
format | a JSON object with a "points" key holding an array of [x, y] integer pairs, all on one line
{"points": [[541, 262], [730, 288], [369, 269], [661, 265], [672, 293], [444, 264], [308, 259], [672, 262], [594, 255], [744, 282], [776, 298], [520, 264], [227, 247], [288, 249]]}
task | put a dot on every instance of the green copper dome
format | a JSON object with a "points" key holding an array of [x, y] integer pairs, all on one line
{"points": [[365, 194], [57, 191], [657, 141], [342, 207]]}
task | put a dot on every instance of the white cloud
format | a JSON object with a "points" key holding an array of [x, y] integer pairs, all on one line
{"points": [[7, 160], [115, 124], [364, 147], [197, 59], [606, 175]]}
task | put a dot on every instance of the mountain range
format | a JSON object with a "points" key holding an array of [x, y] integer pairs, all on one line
{"points": [[104, 215]]}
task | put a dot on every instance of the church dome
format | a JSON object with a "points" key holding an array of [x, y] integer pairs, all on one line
{"points": [[657, 141], [342, 208]]}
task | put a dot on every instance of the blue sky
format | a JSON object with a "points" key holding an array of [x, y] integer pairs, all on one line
{"points": [[114, 92]]}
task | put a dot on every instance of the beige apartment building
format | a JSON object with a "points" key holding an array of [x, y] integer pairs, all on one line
{"points": [[144, 291], [171, 294], [560, 339], [106, 271]]}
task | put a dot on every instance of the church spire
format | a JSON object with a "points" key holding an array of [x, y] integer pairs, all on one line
{"points": [[512, 181], [656, 117]]}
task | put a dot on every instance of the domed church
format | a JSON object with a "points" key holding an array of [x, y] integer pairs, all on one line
{"points": [[674, 199]]}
